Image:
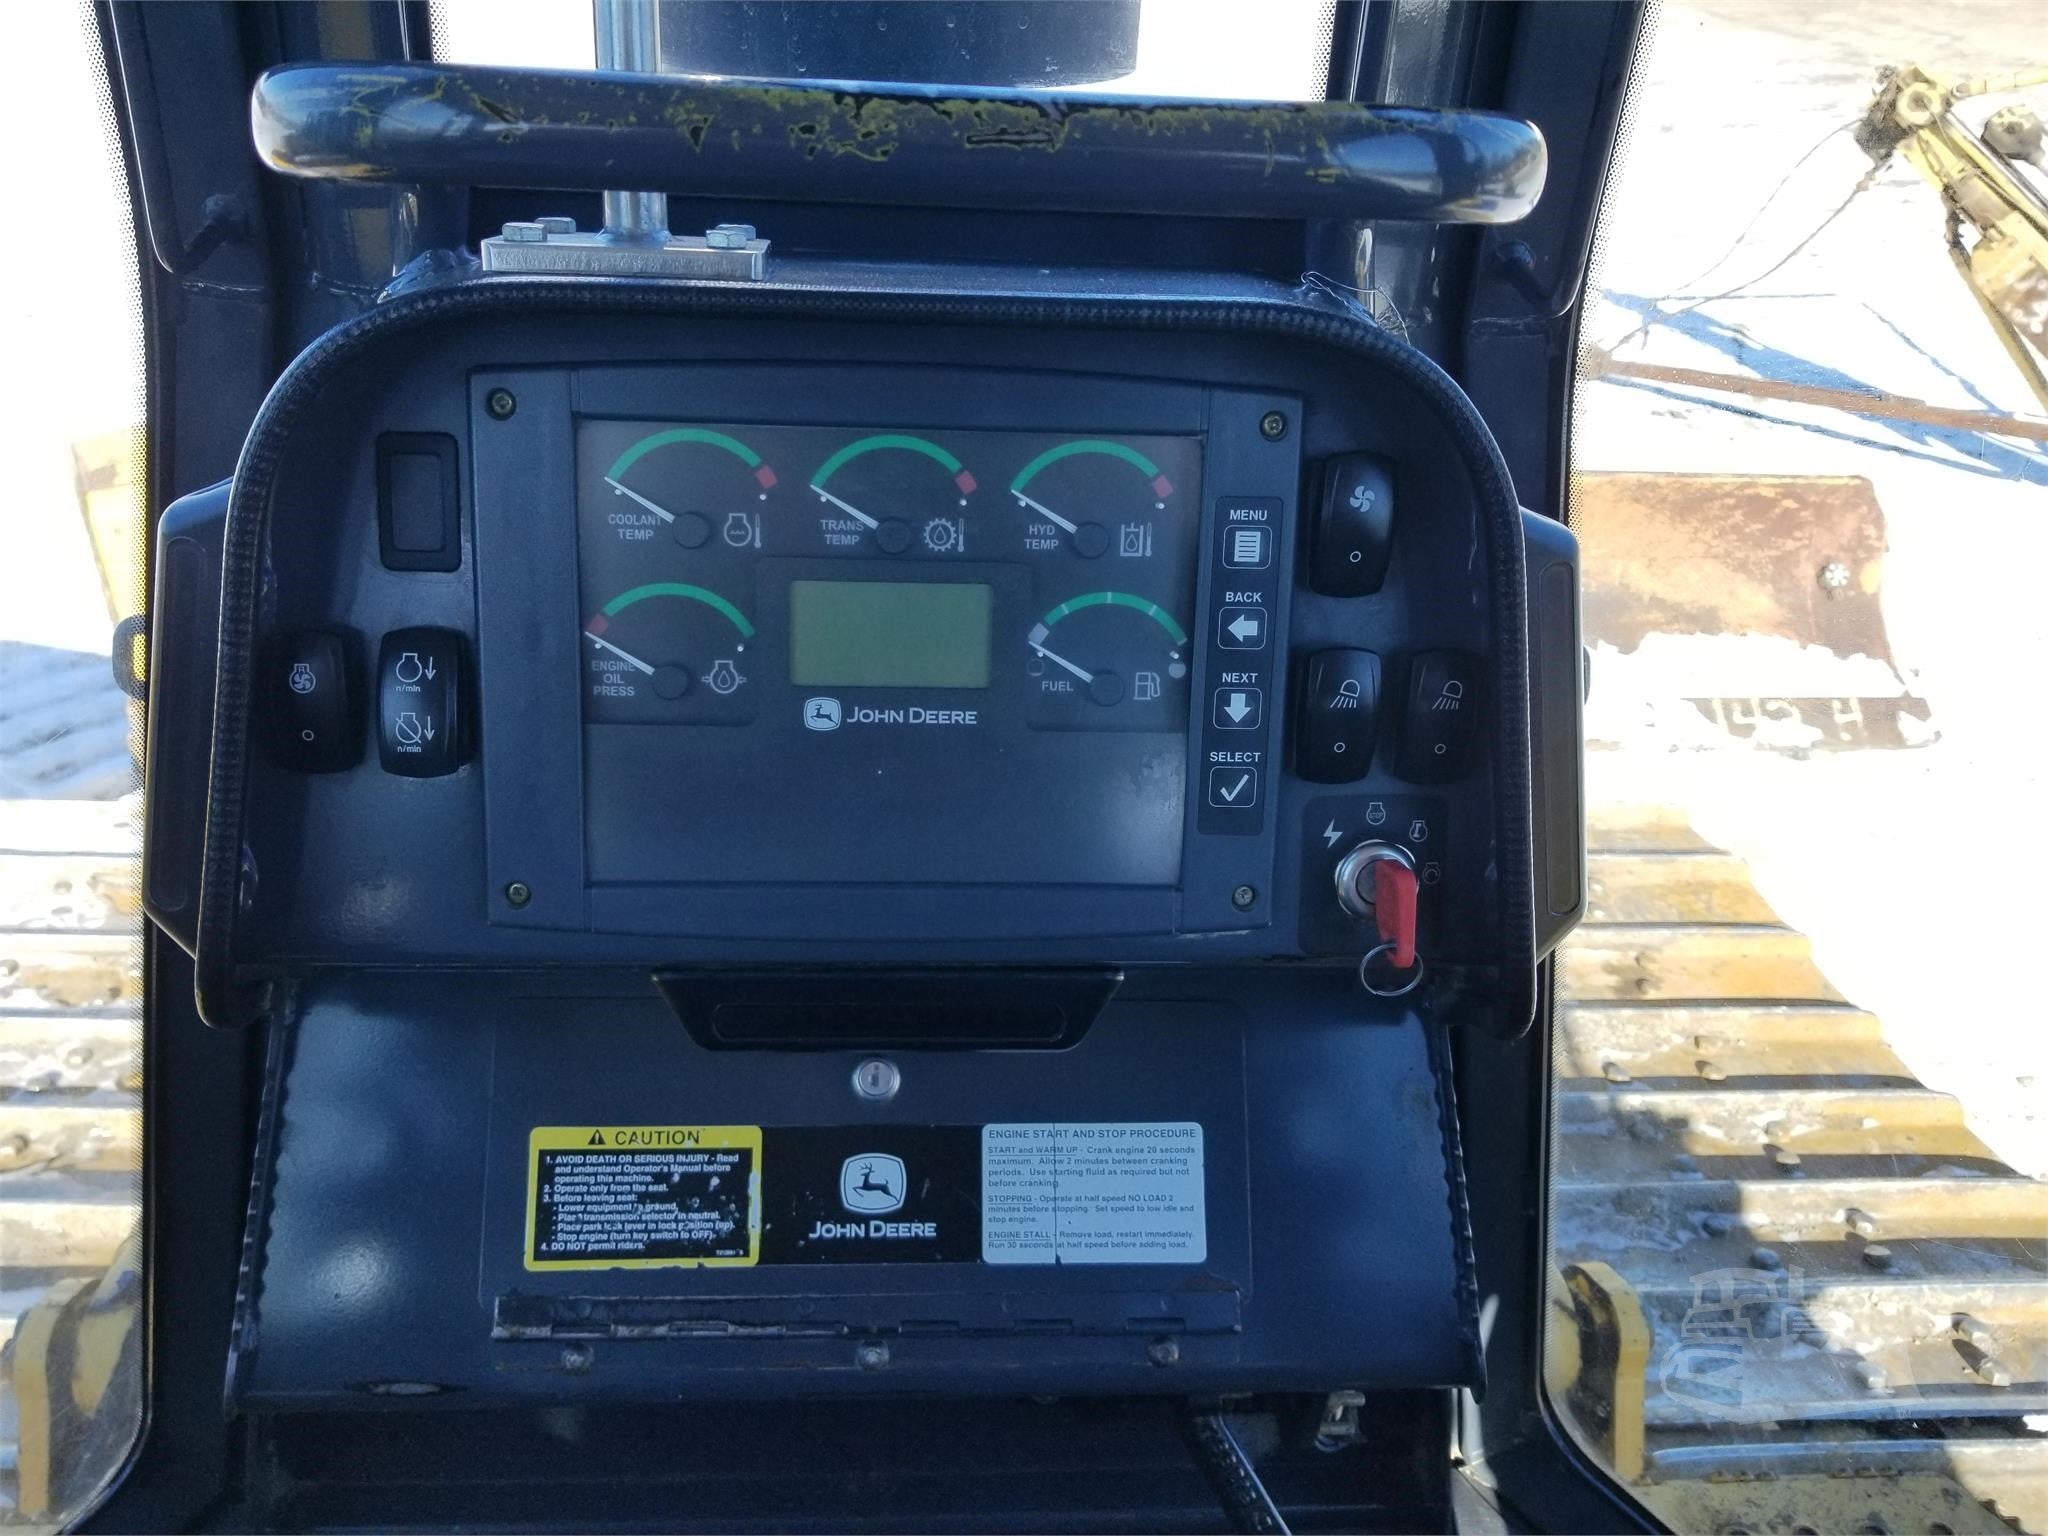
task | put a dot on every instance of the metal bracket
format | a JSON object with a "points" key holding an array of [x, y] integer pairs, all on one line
{"points": [[725, 251], [635, 241]]}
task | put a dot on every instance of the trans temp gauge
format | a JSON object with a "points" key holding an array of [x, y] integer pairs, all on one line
{"points": [[1011, 581]]}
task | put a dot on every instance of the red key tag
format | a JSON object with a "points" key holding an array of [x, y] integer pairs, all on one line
{"points": [[1393, 905]]}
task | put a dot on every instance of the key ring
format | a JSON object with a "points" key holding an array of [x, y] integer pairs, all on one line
{"points": [[1414, 976]]}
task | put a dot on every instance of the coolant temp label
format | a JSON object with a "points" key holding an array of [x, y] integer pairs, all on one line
{"points": [[1093, 1194], [643, 1196]]}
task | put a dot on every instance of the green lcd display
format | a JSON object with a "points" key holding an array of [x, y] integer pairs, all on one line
{"points": [[890, 634]]}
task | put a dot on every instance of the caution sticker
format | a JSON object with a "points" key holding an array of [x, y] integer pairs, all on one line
{"points": [[643, 1196]]}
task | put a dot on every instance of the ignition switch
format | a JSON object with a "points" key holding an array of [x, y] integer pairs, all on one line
{"points": [[1376, 883]]}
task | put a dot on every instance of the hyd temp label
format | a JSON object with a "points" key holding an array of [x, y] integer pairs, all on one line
{"points": [[641, 1197]]}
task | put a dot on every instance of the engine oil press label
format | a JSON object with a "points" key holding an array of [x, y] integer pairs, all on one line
{"points": [[638, 1197]]}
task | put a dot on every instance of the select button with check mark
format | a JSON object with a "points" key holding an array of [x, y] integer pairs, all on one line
{"points": [[1232, 788]]}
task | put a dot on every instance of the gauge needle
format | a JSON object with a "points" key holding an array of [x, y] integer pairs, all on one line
{"points": [[1044, 512], [1086, 677], [849, 511], [626, 490], [626, 656]]}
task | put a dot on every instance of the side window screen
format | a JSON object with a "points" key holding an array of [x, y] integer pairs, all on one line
{"points": [[1800, 1234], [71, 570]]}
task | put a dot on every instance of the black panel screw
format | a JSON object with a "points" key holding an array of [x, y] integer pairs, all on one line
{"points": [[518, 893], [1244, 898], [500, 404], [1272, 426], [1163, 1352]]}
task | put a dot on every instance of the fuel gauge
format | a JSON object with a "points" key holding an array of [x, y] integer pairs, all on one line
{"points": [[1108, 661]]}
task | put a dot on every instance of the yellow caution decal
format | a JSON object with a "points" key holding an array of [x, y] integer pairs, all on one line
{"points": [[643, 1196]]}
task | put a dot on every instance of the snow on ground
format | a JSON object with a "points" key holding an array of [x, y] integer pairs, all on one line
{"points": [[1918, 873]]}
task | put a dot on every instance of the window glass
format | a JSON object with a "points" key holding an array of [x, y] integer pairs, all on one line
{"points": [[1225, 49], [71, 567], [1800, 1238]]}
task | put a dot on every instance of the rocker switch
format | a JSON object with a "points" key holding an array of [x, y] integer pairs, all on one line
{"points": [[314, 722], [1339, 716], [419, 702], [1354, 534]]}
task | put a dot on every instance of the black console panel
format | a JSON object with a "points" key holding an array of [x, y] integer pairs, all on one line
{"points": [[690, 640]]}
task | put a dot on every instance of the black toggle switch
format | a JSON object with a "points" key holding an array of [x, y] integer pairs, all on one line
{"points": [[1440, 722], [1340, 702], [419, 702], [313, 721], [1354, 534]]}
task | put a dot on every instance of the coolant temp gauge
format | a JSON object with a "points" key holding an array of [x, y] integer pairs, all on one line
{"points": [[1108, 661]]}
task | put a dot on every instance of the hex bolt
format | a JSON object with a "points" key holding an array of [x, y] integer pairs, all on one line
{"points": [[1273, 426], [1245, 897], [556, 224], [1615, 1072], [1971, 1331], [518, 893], [1862, 1223], [1163, 1352], [1784, 1159], [728, 237], [1835, 576], [1872, 1376], [1718, 1224], [1709, 1071], [1877, 1256], [524, 232], [1765, 1258], [500, 404], [872, 1357]]}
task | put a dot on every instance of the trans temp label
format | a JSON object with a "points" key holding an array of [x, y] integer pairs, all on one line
{"points": [[671, 1197]]}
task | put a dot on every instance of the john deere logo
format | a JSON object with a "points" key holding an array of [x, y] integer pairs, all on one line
{"points": [[871, 1184]]}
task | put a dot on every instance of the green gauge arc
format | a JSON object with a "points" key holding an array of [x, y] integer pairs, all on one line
{"points": [[709, 599], [886, 440], [1146, 606], [673, 435], [1103, 446]]}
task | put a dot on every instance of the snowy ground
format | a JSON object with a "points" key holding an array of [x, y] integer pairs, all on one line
{"points": [[1918, 873]]}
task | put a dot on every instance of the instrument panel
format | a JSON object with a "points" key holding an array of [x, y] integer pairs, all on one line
{"points": [[848, 647], [952, 637], [1033, 581]]}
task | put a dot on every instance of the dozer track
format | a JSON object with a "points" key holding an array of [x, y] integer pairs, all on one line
{"points": [[70, 1098], [1795, 1290]]}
